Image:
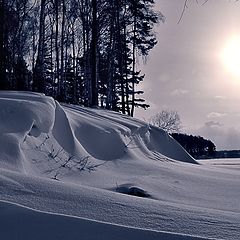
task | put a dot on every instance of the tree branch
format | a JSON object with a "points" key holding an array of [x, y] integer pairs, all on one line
{"points": [[183, 11], [185, 7]]}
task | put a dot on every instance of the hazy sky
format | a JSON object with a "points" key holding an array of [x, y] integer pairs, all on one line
{"points": [[194, 69]]}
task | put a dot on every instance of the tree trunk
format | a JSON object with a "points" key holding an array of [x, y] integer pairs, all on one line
{"points": [[51, 59], [2, 52], [61, 90], [133, 67], [57, 48], [126, 66], [120, 56], [75, 100], [111, 57], [38, 73], [94, 84]]}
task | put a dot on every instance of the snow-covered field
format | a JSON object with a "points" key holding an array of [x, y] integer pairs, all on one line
{"points": [[65, 171], [228, 163]]}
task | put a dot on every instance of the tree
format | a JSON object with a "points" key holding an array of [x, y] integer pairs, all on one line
{"points": [[78, 51], [2, 49], [39, 81], [168, 120], [142, 40], [197, 146], [94, 43]]}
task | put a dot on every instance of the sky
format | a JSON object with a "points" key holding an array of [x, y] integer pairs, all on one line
{"points": [[195, 69]]}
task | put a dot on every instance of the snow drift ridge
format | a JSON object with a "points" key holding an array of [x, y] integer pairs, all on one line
{"points": [[101, 134]]}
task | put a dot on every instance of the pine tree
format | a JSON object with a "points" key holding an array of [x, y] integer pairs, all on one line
{"points": [[21, 74], [79, 51], [142, 37]]}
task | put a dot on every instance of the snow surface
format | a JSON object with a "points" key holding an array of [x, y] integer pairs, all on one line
{"points": [[24, 223], [80, 162]]}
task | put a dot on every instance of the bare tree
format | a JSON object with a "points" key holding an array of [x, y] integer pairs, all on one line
{"points": [[168, 120]]}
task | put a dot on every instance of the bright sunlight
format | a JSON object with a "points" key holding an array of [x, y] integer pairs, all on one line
{"points": [[230, 56]]}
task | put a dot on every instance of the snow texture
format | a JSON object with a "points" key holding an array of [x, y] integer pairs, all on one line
{"points": [[96, 174]]}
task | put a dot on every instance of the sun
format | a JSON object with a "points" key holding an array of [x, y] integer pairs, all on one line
{"points": [[230, 56]]}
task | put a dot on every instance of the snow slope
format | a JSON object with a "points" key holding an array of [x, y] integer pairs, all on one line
{"points": [[81, 162], [23, 223]]}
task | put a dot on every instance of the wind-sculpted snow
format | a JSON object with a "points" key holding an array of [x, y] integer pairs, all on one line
{"points": [[79, 131], [64, 134], [107, 135], [95, 164], [21, 115]]}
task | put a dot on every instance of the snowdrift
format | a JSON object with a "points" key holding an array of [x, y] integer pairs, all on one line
{"points": [[104, 175], [81, 132]]}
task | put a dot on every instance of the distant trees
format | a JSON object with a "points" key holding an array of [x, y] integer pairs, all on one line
{"points": [[197, 146], [78, 51], [227, 154], [168, 120]]}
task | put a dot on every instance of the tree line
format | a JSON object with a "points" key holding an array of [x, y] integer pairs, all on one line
{"points": [[78, 51], [196, 146]]}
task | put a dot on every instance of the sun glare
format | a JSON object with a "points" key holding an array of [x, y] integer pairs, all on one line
{"points": [[230, 56]]}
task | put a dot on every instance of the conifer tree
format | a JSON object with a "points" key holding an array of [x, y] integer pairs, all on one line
{"points": [[78, 51]]}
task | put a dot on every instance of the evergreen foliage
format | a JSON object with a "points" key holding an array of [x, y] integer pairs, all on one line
{"points": [[197, 146], [78, 51]]}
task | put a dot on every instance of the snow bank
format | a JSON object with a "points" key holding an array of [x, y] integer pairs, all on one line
{"points": [[22, 114], [79, 131], [105, 166], [109, 135]]}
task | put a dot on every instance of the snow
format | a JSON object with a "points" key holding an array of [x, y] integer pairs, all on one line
{"points": [[23, 223], [77, 170], [227, 163]]}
